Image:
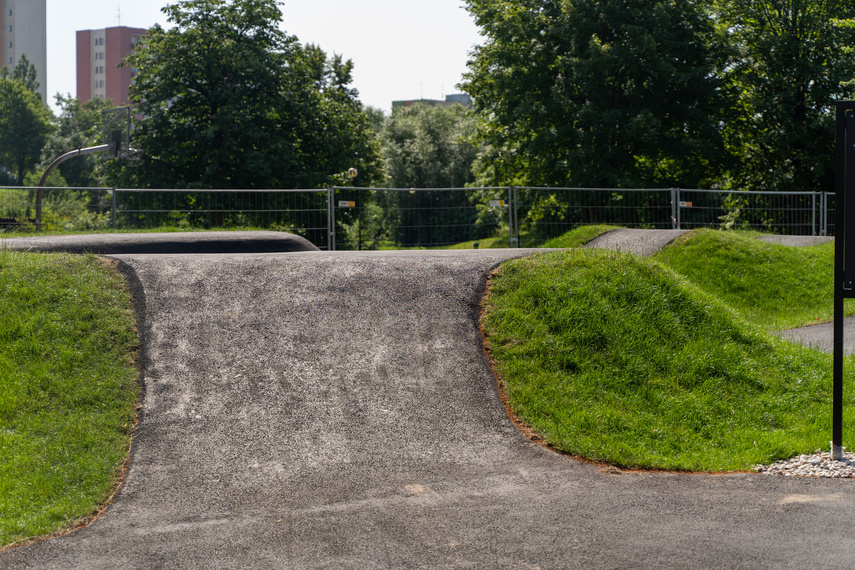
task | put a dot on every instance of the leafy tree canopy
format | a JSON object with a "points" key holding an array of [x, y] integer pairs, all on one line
{"points": [[25, 123], [426, 146], [590, 93], [78, 126], [662, 92], [25, 72], [229, 100], [793, 60]]}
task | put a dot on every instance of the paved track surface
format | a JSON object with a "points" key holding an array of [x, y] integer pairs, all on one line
{"points": [[821, 337], [639, 242], [170, 242], [336, 410], [796, 241]]}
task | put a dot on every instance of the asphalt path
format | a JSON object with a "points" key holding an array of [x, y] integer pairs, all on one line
{"points": [[336, 410], [165, 242], [638, 242], [821, 336]]}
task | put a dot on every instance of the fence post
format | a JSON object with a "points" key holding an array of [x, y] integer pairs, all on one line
{"points": [[510, 217], [513, 212], [813, 215], [675, 208], [331, 219], [114, 208]]}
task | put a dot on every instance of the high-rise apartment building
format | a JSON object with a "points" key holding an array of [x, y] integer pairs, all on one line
{"points": [[23, 29], [99, 53]]}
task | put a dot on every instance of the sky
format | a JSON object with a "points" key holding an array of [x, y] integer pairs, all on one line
{"points": [[401, 49]]}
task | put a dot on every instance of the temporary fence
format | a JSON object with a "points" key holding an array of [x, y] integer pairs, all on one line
{"points": [[369, 218], [301, 211], [66, 208]]}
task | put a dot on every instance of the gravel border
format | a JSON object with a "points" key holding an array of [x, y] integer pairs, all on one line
{"points": [[819, 464]]}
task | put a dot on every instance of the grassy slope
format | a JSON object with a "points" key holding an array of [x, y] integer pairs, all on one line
{"points": [[68, 386], [775, 286], [618, 358], [578, 237]]}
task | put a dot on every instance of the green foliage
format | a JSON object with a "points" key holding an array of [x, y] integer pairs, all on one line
{"points": [[228, 100], [25, 123], [598, 94], [429, 146], [63, 211], [25, 72], [793, 60], [68, 385], [734, 93], [78, 126], [615, 357]]}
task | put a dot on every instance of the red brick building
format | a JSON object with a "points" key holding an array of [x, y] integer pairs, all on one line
{"points": [[99, 53]]}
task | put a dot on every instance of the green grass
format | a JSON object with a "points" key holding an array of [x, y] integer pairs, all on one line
{"points": [[68, 388], [498, 242], [774, 286], [578, 237], [618, 358]]}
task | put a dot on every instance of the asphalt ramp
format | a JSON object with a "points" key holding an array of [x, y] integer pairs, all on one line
{"points": [[165, 242], [337, 410]]}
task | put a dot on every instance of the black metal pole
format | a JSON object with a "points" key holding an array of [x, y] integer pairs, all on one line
{"points": [[844, 157]]}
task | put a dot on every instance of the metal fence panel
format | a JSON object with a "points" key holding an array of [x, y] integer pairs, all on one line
{"points": [[68, 209], [406, 218], [827, 211], [790, 213], [303, 212], [546, 213], [370, 218]]}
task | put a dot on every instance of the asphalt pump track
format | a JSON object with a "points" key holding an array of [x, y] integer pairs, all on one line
{"points": [[336, 410]]}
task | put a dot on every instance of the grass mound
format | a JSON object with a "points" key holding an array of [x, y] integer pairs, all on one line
{"points": [[616, 358], [68, 386], [775, 286], [578, 237]]}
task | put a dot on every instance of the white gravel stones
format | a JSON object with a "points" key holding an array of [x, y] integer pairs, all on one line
{"points": [[819, 464]]}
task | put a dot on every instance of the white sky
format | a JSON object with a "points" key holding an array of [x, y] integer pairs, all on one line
{"points": [[401, 49]]}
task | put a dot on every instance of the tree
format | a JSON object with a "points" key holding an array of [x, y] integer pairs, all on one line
{"points": [[25, 123], [599, 94], [228, 100], [795, 58], [25, 72], [78, 126], [427, 146]]}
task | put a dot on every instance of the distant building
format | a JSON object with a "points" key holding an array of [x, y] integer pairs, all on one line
{"points": [[23, 29], [99, 53], [457, 99]]}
